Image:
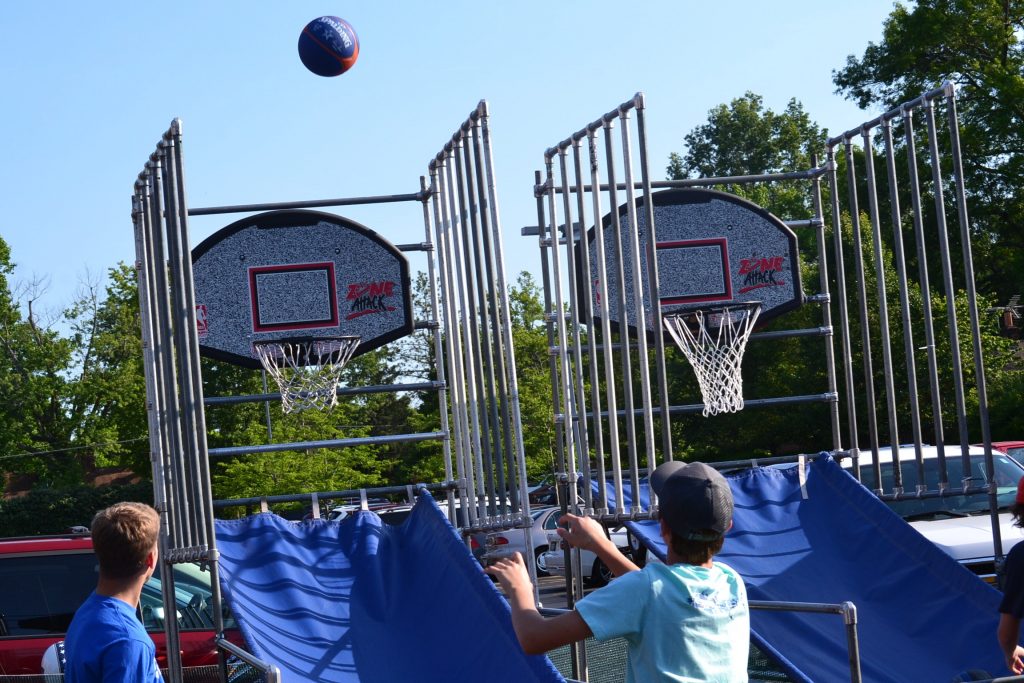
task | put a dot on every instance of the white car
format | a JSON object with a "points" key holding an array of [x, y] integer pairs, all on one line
{"points": [[504, 543], [595, 573], [959, 525]]}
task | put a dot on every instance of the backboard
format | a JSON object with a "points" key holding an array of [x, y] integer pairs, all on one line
{"points": [[287, 274], [713, 250]]}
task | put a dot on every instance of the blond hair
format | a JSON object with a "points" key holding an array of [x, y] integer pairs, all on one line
{"points": [[122, 536]]}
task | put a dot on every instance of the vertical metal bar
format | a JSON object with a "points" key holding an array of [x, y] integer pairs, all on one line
{"points": [[436, 337], [883, 305], [144, 268], [901, 275], [972, 303], [926, 293], [603, 292], [826, 309], [865, 330], [191, 377], [621, 303], [643, 360], [266, 407], [476, 317], [158, 352], [491, 346], [575, 363], [467, 356], [183, 529], [506, 322], [548, 241], [457, 388], [194, 394], [498, 303], [583, 297], [956, 361], [653, 286], [558, 311], [180, 531]]}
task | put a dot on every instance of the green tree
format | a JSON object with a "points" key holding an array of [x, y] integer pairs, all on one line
{"points": [[745, 138], [106, 397], [976, 44], [533, 372], [34, 361]]}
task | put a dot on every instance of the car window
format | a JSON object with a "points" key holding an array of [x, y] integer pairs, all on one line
{"points": [[394, 517], [1016, 453], [193, 598], [1007, 474], [551, 523], [39, 594]]}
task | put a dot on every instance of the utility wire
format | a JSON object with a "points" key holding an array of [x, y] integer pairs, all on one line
{"points": [[73, 448]]}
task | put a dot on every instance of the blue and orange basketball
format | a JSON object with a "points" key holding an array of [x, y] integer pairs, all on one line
{"points": [[328, 46]]}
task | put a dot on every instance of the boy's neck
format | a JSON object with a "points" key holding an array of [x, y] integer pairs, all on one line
{"points": [[672, 558]]}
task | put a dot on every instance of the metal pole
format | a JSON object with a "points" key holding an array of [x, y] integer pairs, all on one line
{"points": [[865, 330], [640, 312], [826, 309], [925, 288], [956, 362], [901, 275], [883, 305], [620, 302]]}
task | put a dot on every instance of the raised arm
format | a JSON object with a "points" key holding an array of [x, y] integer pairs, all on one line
{"points": [[536, 633]]}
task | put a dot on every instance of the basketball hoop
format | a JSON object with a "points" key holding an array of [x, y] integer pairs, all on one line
{"points": [[713, 341], [306, 370]]}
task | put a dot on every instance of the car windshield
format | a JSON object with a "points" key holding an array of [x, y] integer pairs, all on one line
{"points": [[1017, 453], [1007, 474]]}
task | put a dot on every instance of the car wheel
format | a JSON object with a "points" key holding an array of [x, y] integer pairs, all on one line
{"points": [[542, 565], [600, 575]]}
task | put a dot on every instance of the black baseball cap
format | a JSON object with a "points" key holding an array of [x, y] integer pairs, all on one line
{"points": [[694, 499]]}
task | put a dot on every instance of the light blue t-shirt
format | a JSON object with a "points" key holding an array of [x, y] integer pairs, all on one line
{"points": [[106, 643], [682, 622]]}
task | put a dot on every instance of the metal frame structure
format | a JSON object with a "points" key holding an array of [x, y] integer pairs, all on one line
{"points": [[474, 361], [610, 393]]}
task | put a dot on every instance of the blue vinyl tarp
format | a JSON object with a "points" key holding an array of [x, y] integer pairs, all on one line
{"points": [[364, 601], [922, 616]]}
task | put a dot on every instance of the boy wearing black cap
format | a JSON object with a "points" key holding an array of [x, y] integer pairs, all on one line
{"points": [[685, 620]]}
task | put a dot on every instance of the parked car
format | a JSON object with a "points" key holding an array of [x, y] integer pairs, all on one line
{"points": [[958, 525], [1014, 449], [340, 512], [504, 543], [44, 579], [595, 572]]}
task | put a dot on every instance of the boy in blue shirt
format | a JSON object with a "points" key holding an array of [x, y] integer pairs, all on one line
{"points": [[685, 620], [106, 642]]}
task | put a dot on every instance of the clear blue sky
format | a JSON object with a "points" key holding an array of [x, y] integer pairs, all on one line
{"points": [[90, 86]]}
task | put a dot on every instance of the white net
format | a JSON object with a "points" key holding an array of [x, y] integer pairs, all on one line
{"points": [[306, 370], [713, 341]]}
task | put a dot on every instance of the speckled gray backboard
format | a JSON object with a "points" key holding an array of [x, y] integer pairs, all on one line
{"points": [[714, 249], [297, 274]]}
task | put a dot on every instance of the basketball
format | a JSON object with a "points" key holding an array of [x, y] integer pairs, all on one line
{"points": [[328, 46]]}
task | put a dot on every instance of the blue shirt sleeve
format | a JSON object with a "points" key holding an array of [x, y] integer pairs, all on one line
{"points": [[617, 610], [129, 661]]}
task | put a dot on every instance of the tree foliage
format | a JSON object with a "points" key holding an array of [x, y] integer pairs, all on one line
{"points": [[977, 45], [746, 138]]}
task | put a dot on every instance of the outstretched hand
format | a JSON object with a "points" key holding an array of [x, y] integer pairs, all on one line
{"points": [[581, 532], [511, 573]]}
